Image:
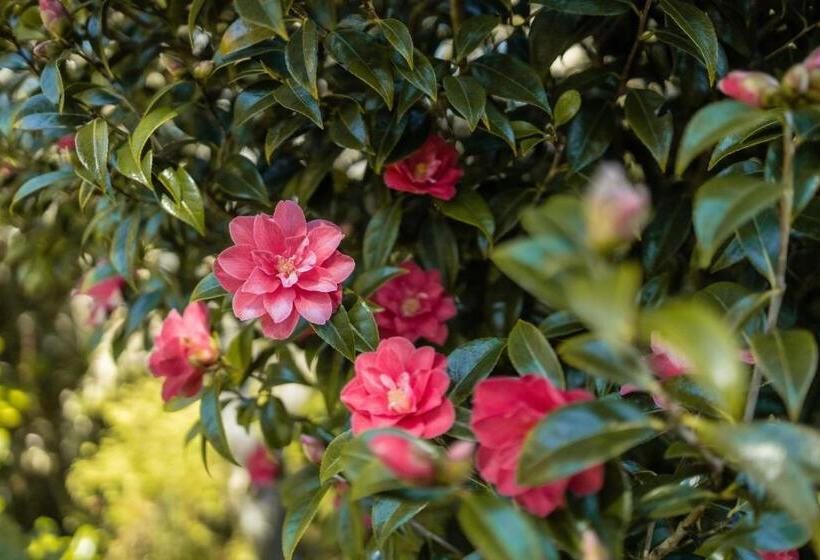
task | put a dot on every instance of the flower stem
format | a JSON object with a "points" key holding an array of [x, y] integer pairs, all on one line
{"points": [[786, 207], [633, 53], [673, 540]]}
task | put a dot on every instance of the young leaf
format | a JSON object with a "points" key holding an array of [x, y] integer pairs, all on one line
{"points": [[567, 107], [789, 360], [470, 363], [578, 436], [302, 57], [531, 352], [467, 97], [654, 131], [726, 203]]}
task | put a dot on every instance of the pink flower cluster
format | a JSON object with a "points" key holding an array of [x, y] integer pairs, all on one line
{"points": [[505, 409], [282, 268]]}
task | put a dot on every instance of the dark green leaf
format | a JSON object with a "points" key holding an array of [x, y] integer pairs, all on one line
{"points": [[186, 204], [597, 357], [42, 121], [338, 333], [276, 424], [298, 518], [210, 419], [587, 7], [509, 77], [369, 281], [789, 361], [388, 514], [422, 76], [470, 208], [499, 125], [398, 35], [265, 13], [250, 103], [92, 149], [207, 288], [293, 97], [698, 28], [332, 457], [472, 33], [380, 235], [497, 529], [589, 135], [470, 363], [642, 106], [364, 326], [281, 132], [358, 55], [467, 97], [40, 182], [241, 34], [348, 129], [124, 246], [302, 57], [530, 352]]}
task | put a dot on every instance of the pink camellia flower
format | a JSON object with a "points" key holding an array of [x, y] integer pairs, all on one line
{"points": [[66, 143], [432, 169], [505, 409], [778, 554], [183, 349], [414, 305], [105, 296], [263, 468], [282, 267], [400, 386], [812, 61], [615, 210], [752, 88], [406, 460], [54, 16]]}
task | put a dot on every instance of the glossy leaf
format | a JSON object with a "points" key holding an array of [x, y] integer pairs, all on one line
{"points": [[467, 97], [789, 361], [470, 363], [381, 234], [389, 514], [302, 57], [621, 365], [207, 288], [497, 529], [264, 13], [293, 97], [92, 149], [697, 26], [508, 77], [338, 333], [40, 182], [398, 36], [470, 208], [567, 106], [210, 419], [530, 352], [472, 33], [276, 424], [654, 131], [354, 51], [587, 7], [298, 518]]}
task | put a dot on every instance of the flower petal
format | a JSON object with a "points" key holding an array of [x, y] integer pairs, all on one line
{"points": [[279, 304], [290, 218], [241, 229], [315, 307], [324, 240], [237, 261], [279, 331], [267, 235]]}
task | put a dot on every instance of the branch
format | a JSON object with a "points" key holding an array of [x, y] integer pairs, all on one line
{"points": [[630, 60], [673, 540]]}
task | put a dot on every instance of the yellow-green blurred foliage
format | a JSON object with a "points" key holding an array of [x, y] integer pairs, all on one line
{"points": [[149, 492]]}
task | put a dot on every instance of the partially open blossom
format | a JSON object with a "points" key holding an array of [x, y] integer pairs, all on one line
{"points": [[263, 468], [55, 17], [778, 555], [105, 296], [182, 350], [458, 462], [812, 61], [505, 409], [400, 386], [432, 169], [282, 268], [66, 143], [414, 305], [404, 458], [753, 88], [313, 448], [615, 210]]}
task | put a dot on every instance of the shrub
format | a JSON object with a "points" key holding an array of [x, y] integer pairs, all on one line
{"points": [[587, 245]]}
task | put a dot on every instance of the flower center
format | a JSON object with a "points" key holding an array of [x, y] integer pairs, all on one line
{"points": [[410, 306], [285, 266], [420, 171], [399, 395]]}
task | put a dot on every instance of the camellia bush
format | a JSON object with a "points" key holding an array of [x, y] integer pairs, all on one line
{"points": [[549, 267]]}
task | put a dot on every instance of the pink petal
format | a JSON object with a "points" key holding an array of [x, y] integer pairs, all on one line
{"points": [[315, 307], [323, 241], [279, 304], [259, 282], [317, 280], [241, 229], [227, 281], [587, 482], [290, 218], [267, 235], [279, 331], [247, 306], [237, 261], [339, 267]]}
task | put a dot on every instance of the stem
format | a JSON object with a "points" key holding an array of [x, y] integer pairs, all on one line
{"points": [[630, 60], [786, 204], [427, 533], [673, 540], [456, 14]]}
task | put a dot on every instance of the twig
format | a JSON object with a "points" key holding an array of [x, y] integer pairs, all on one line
{"points": [[786, 204], [630, 60], [427, 533], [647, 545], [456, 14], [673, 540]]}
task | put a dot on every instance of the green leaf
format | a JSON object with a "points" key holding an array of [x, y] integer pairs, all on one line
{"points": [[713, 123], [552, 34], [789, 361], [124, 246], [241, 34], [422, 75], [380, 235], [193, 13], [589, 135], [207, 288], [654, 131], [531, 352], [302, 57], [298, 518], [698, 28], [147, 126], [440, 249], [696, 333], [587, 7], [364, 326], [388, 514], [607, 301], [51, 84], [760, 240], [510, 78], [399, 36], [239, 178], [338, 333], [40, 182], [783, 458], [186, 204], [133, 168], [467, 97], [370, 281], [672, 500], [726, 203], [276, 424], [42, 121], [470, 208], [332, 457], [92, 149], [250, 103], [294, 97], [470, 363], [620, 364], [499, 125], [497, 529], [280, 132], [567, 106], [472, 33], [348, 129], [357, 54], [265, 13], [210, 419], [575, 437]]}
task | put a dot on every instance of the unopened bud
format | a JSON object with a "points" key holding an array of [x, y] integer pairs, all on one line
{"points": [[203, 69], [753, 88], [7, 171], [615, 210], [458, 463], [46, 50], [313, 448], [173, 64], [795, 81], [66, 143], [55, 17], [812, 61], [405, 459], [591, 547]]}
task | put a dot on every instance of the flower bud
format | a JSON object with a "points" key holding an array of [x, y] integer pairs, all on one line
{"points": [[458, 462], [812, 61], [753, 88], [66, 143], [46, 50], [405, 459], [173, 64], [795, 81], [7, 171], [55, 17], [203, 69], [204, 356], [615, 210], [591, 547], [313, 448]]}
